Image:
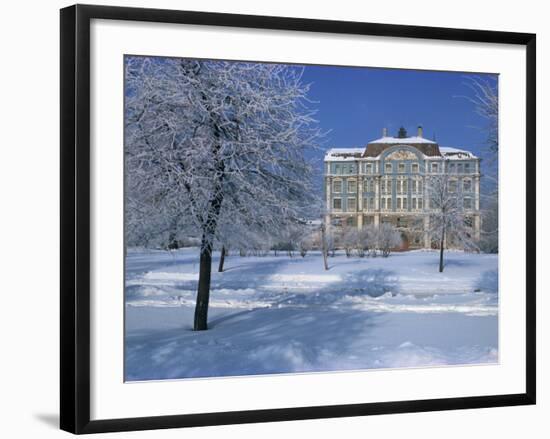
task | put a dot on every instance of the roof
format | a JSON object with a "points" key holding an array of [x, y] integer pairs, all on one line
{"points": [[428, 147], [402, 140]]}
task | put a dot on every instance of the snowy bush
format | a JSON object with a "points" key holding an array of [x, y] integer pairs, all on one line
{"points": [[348, 240], [388, 238], [366, 240]]}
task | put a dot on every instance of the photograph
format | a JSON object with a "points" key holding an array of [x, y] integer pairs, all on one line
{"points": [[285, 218]]}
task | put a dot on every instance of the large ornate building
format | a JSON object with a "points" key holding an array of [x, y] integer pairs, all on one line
{"points": [[386, 182]]}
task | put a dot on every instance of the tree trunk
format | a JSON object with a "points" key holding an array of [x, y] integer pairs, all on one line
{"points": [[441, 247], [222, 260], [324, 246], [203, 290]]}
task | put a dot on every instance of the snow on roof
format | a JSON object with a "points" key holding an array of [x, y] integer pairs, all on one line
{"points": [[343, 154], [455, 153], [352, 154], [404, 140]]}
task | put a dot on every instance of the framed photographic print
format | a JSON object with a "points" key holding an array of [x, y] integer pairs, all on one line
{"points": [[267, 218]]}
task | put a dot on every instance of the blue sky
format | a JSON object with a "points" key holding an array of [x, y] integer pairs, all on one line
{"points": [[355, 103]]}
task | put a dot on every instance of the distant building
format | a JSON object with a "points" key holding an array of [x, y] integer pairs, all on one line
{"points": [[385, 182]]}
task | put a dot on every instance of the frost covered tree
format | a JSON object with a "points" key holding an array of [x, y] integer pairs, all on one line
{"points": [[211, 142], [485, 100], [484, 97], [367, 240], [447, 216], [388, 238], [348, 240]]}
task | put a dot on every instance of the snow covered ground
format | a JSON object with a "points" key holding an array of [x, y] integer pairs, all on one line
{"points": [[277, 314]]}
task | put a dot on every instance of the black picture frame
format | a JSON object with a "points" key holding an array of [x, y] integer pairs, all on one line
{"points": [[75, 217]]}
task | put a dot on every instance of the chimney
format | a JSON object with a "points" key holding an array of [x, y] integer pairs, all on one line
{"points": [[384, 132], [420, 131]]}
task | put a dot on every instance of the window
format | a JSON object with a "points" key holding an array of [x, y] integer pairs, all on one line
{"points": [[420, 203], [402, 186], [368, 203], [466, 168], [467, 203], [386, 186], [413, 201], [452, 186], [467, 185], [368, 185], [351, 169], [416, 186], [337, 203], [368, 168], [388, 167], [350, 222], [399, 203], [337, 169], [337, 186], [452, 167], [352, 186], [435, 167], [460, 168], [352, 204], [414, 168], [401, 168]]}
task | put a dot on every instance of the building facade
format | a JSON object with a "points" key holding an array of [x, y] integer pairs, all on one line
{"points": [[386, 182]]}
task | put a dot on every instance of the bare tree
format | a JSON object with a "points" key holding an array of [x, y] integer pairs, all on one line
{"points": [[211, 140], [485, 100], [447, 215]]}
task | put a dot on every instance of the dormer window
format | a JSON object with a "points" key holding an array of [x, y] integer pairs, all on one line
{"points": [[435, 167]]}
